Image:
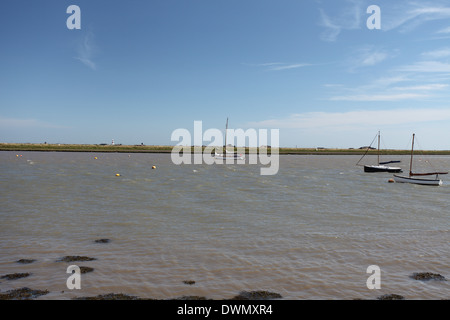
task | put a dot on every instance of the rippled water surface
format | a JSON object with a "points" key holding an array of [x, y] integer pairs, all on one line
{"points": [[309, 232]]}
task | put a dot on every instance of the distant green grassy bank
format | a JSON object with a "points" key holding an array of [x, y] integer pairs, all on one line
{"points": [[168, 149]]}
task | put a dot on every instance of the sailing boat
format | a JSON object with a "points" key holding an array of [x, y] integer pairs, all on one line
{"points": [[227, 154], [380, 166], [410, 179]]}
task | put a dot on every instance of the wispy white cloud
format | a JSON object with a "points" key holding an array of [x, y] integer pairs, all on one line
{"points": [[427, 67], [392, 89], [86, 49], [425, 87], [22, 123], [87, 62], [411, 15], [348, 18], [368, 56], [278, 66], [384, 82], [437, 12], [332, 30], [437, 54], [268, 64], [426, 77], [445, 30], [289, 66], [379, 97], [373, 58], [358, 118]]}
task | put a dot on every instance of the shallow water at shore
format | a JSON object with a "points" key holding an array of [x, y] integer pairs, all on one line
{"points": [[309, 232]]}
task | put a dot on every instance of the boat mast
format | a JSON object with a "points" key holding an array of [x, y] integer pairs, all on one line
{"points": [[378, 147], [412, 152], [226, 131]]}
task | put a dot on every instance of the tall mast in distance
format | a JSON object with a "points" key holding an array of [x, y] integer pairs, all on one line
{"points": [[412, 152]]}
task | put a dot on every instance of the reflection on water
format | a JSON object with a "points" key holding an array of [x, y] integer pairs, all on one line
{"points": [[309, 232]]}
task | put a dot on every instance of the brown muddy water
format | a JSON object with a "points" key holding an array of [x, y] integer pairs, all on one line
{"points": [[308, 232]]}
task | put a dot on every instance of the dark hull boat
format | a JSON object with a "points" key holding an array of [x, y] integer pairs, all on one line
{"points": [[380, 166]]}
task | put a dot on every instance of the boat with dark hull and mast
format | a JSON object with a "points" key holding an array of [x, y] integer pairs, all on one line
{"points": [[380, 166]]}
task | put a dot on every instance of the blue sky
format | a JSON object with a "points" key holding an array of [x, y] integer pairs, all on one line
{"points": [[137, 70]]}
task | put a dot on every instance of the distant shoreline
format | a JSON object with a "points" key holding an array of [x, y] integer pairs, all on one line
{"points": [[168, 149]]}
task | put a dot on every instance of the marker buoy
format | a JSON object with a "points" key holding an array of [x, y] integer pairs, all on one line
{"points": [[391, 180], [117, 175], [95, 158], [154, 167]]}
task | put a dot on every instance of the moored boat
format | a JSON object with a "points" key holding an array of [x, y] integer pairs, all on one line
{"points": [[428, 182], [228, 155], [380, 166], [414, 177]]}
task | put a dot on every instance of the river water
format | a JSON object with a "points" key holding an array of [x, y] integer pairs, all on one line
{"points": [[308, 232]]}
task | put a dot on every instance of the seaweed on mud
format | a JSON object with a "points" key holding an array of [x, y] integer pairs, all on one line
{"points": [[14, 276], [427, 276], [391, 297], [110, 296], [102, 241], [257, 295], [190, 298], [76, 258], [26, 261], [86, 269], [22, 294]]}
